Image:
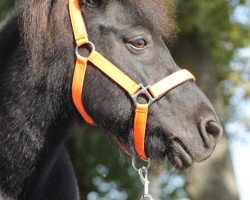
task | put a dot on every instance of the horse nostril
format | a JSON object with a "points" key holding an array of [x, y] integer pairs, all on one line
{"points": [[210, 132], [214, 129]]}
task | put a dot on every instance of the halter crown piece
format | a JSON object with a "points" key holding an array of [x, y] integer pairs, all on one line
{"points": [[153, 93]]}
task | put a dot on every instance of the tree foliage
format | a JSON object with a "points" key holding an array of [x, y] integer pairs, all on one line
{"points": [[5, 6], [211, 23]]}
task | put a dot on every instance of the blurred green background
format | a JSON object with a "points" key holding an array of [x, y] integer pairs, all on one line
{"points": [[213, 34]]}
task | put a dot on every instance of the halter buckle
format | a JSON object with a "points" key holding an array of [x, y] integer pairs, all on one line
{"points": [[145, 91]]}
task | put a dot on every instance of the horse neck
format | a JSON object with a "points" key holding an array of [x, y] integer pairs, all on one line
{"points": [[32, 115]]}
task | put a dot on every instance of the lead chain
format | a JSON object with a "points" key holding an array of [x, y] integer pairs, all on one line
{"points": [[143, 174]]}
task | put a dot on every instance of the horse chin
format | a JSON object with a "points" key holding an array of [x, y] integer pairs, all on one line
{"points": [[180, 156], [175, 152], [159, 150]]}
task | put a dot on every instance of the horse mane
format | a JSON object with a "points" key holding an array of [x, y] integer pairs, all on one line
{"points": [[44, 30]]}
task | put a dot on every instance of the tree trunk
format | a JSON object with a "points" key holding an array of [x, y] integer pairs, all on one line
{"points": [[213, 179]]}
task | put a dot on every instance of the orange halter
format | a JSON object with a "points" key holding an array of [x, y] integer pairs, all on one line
{"points": [[153, 93]]}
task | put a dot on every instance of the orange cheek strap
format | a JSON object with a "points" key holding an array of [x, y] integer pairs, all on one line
{"points": [[153, 93], [77, 88]]}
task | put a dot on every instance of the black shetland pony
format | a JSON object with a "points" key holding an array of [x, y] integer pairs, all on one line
{"points": [[36, 110]]}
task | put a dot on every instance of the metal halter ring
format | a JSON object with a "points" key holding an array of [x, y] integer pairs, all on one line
{"points": [[143, 90], [137, 169], [92, 49]]}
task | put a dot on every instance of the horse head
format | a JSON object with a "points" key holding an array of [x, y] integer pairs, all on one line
{"points": [[182, 125]]}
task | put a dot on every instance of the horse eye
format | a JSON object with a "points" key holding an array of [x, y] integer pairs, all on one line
{"points": [[139, 44], [94, 2]]}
